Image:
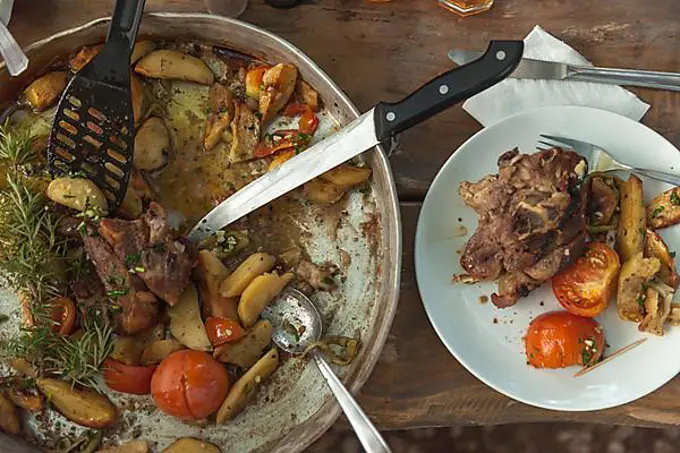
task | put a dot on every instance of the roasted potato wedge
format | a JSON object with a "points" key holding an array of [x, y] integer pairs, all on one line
{"points": [[247, 385], [633, 279], [347, 176], [222, 112], [9, 416], [211, 272], [259, 293], [84, 56], [254, 81], [247, 350], [657, 308], [245, 131], [131, 207], [155, 352], [657, 248], [630, 236], [171, 64], [127, 350], [152, 145], [664, 210], [84, 407], [191, 445], [674, 316], [322, 192], [44, 91], [186, 324], [141, 50], [221, 99], [77, 193], [278, 83], [281, 158], [308, 95], [23, 367], [137, 97], [256, 264], [134, 446], [28, 401]]}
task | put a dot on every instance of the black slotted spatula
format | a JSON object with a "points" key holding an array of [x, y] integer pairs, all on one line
{"points": [[93, 130]]}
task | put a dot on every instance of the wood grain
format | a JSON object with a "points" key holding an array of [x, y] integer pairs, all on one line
{"points": [[382, 51]]}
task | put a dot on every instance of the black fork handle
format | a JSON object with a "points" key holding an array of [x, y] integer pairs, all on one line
{"points": [[125, 22], [500, 59]]}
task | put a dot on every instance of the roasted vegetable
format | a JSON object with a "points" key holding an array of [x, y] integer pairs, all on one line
{"points": [[9, 416], [664, 210], [84, 407], [26, 400], [254, 86], [44, 92], [131, 207], [259, 293], [155, 352], [191, 445], [222, 112], [211, 272], [127, 350], [77, 193], [186, 324], [347, 176], [308, 95], [84, 56], [630, 236], [171, 64], [152, 145], [246, 387], [602, 202], [137, 97], [142, 49], [134, 446], [322, 192], [245, 131], [256, 264], [657, 248], [226, 243], [281, 158], [657, 305], [247, 350], [278, 83], [633, 280]]}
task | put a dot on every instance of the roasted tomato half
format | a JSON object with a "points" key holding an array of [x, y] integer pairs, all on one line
{"points": [[586, 287], [128, 378], [189, 385], [559, 339]]}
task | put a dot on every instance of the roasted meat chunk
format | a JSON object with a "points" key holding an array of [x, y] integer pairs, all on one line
{"points": [[531, 221]]}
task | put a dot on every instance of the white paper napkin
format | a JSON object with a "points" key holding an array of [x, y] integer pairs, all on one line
{"points": [[517, 95]]}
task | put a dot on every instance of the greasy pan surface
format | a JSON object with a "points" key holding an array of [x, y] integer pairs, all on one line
{"points": [[295, 407]]}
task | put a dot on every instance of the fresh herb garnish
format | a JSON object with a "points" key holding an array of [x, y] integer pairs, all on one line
{"points": [[657, 211], [675, 199], [131, 260], [117, 293]]}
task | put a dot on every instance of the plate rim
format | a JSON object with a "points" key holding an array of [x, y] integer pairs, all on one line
{"points": [[418, 239]]}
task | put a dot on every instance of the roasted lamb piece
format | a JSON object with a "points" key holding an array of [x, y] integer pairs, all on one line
{"points": [[531, 221]]}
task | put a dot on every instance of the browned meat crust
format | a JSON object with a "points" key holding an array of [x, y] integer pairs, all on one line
{"points": [[531, 221]]}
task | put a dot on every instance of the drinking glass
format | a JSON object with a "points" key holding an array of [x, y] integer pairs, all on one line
{"points": [[229, 8], [466, 7]]}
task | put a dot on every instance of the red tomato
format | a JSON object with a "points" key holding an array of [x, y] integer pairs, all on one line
{"points": [[296, 108], [128, 378], [63, 315], [558, 339], [308, 122], [282, 140], [223, 330], [189, 385], [586, 287]]}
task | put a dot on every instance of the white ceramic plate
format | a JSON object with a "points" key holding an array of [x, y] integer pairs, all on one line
{"points": [[488, 340]]}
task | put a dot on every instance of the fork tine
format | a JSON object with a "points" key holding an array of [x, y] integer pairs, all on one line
{"points": [[543, 149], [565, 141], [551, 144]]}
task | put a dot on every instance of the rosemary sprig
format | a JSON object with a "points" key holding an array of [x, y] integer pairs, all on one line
{"points": [[16, 147]]}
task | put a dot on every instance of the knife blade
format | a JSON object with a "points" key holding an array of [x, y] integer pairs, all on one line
{"points": [[6, 7], [549, 70], [378, 124]]}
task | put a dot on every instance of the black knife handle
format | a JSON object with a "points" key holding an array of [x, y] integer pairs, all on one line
{"points": [[498, 62]]}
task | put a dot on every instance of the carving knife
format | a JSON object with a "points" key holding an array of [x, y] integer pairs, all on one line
{"points": [[538, 69], [373, 127]]}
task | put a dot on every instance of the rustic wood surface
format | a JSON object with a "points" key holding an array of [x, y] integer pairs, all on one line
{"points": [[381, 51]]}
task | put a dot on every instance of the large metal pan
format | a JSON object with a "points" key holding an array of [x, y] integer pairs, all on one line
{"points": [[296, 407]]}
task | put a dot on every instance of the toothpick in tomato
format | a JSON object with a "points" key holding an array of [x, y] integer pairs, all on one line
{"points": [[586, 287]]}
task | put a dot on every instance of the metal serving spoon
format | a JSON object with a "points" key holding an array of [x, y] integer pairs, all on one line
{"points": [[297, 323]]}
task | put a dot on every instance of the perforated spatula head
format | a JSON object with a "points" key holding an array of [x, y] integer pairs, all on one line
{"points": [[93, 130]]}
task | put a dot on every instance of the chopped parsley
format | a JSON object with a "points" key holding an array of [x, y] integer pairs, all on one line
{"points": [[675, 199], [117, 293], [131, 260], [328, 281], [658, 210]]}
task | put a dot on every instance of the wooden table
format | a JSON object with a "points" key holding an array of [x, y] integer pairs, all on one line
{"points": [[381, 51]]}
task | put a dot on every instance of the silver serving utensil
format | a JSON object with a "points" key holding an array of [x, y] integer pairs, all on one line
{"points": [[550, 70], [380, 123], [600, 160], [11, 52], [297, 323]]}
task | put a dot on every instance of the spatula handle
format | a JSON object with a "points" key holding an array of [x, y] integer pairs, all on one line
{"points": [[125, 22], [456, 85]]}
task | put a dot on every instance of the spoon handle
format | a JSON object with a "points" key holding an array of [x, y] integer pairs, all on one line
{"points": [[369, 437]]}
